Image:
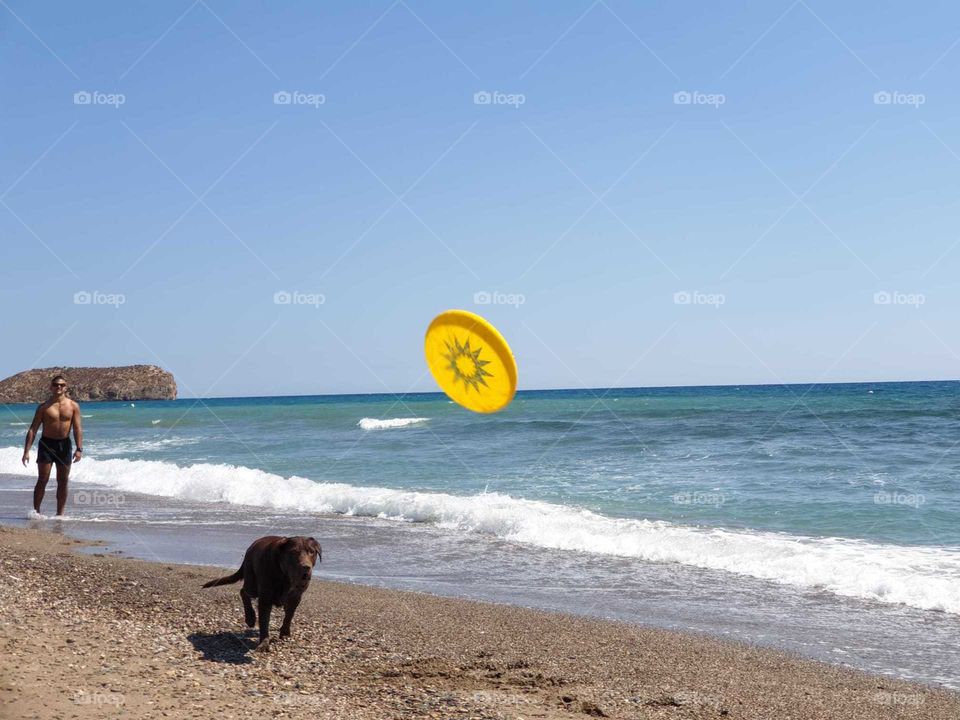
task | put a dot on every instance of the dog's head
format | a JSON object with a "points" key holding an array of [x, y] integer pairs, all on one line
{"points": [[298, 556]]}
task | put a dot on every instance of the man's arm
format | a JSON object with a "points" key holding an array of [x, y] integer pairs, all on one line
{"points": [[32, 433], [77, 431]]}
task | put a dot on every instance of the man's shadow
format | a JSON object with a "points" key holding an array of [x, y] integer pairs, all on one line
{"points": [[225, 647]]}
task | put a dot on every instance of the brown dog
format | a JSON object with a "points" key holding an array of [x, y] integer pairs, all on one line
{"points": [[276, 571]]}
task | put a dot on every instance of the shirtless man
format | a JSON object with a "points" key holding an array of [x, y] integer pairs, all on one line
{"points": [[57, 415]]}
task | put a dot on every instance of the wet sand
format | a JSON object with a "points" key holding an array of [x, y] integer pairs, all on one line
{"points": [[96, 636]]}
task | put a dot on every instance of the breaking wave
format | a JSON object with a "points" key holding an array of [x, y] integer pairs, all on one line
{"points": [[374, 424], [922, 577]]}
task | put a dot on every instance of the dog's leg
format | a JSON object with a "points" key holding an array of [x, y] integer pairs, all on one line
{"points": [[249, 616], [289, 608], [264, 606]]}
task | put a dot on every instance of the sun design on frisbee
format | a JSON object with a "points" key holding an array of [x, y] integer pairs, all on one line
{"points": [[466, 364]]}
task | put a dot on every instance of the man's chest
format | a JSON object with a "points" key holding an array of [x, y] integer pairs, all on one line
{"points": [[58, 412]]}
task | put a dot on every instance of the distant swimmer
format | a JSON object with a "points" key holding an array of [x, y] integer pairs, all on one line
{"points": [[57, 416]]}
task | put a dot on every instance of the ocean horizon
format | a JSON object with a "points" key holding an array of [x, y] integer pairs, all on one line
{"points": [[599, 388]]}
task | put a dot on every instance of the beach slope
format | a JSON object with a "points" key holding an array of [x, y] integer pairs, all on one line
{"points": [[93, 636]]}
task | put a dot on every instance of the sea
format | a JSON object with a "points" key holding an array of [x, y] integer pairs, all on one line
{"points": [[822, 520]]}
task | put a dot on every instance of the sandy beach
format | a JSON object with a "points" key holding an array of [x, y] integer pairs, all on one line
{"points": [[87, 635]]}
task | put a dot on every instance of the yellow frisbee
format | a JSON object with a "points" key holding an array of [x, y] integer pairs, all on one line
{"points": [[471, 361]]}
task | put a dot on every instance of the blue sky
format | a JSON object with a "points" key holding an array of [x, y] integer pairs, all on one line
{"points": [[656, 194]]}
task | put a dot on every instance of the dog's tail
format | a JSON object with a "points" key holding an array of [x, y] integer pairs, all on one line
{"points": [[228, 580]]}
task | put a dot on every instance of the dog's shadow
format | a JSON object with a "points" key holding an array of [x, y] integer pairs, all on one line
{"points": [[225, 647]]}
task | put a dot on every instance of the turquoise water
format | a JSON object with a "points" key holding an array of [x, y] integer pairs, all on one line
{"points": [[807, 517], [850, 488], [874, 462]]}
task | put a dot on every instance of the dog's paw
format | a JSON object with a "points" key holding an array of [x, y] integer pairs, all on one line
{"points": [[264, 646]]}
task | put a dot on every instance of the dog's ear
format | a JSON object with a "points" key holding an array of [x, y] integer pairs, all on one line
{"points": [[285, 545], [315, 546]]}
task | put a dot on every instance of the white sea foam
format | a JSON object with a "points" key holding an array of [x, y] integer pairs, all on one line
{"points": [[127, 447], [923, 577], [34, 515], [23, 423], [374, 424]]}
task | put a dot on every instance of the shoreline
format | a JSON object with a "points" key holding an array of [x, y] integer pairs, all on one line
{"points": [[141, 639], [887, 640]]}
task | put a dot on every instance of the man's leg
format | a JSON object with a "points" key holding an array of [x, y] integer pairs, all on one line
{"points": [[43, 475], [63, 475]]}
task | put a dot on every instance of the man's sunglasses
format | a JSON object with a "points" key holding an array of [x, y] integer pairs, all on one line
{"points": [[58, 384]]}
